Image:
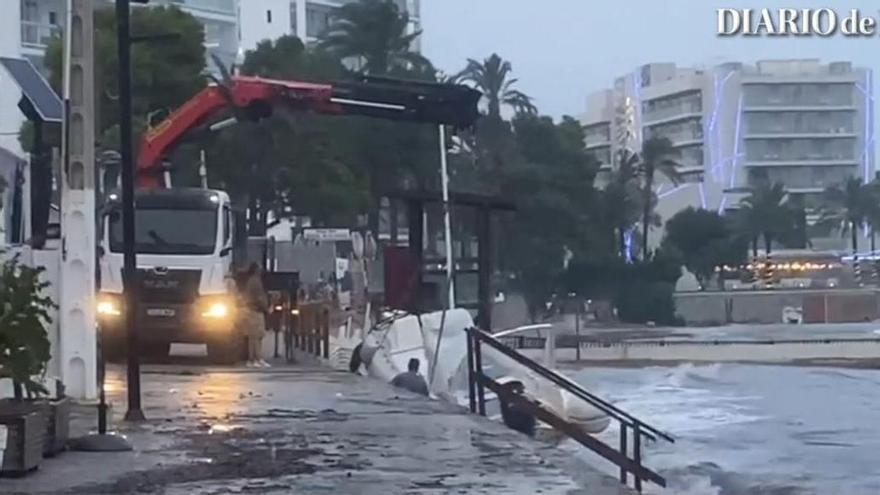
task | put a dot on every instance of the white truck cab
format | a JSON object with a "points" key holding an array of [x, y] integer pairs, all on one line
{"points": [[184, 240]]}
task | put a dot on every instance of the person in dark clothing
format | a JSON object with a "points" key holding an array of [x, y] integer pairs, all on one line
{"points": [[515, 416], [411, 379]]}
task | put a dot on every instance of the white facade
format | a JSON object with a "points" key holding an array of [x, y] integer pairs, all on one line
{"points": [[25, 29], [269, 19], [800, 122], [27, 26], [231, 28], [220, 18]]}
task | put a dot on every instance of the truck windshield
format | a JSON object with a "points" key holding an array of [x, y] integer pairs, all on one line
{"points": [[168, 231]]}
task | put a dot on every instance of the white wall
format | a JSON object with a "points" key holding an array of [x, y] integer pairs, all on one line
{"points": [[10, 46], [255, 24]]}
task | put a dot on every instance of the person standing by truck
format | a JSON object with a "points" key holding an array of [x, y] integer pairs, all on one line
{"points": [[256, 304]]}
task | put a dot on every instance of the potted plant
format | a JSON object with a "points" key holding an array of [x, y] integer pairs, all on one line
{"points": [[24, 353]]}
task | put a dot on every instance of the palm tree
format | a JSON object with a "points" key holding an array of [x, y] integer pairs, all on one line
{"points": [[766, 213], [374, 32], [492, 78], [657, 155], [620, 201], [848, 207], [874, 213]]}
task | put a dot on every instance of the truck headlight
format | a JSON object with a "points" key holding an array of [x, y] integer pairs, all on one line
{"points": [[109, 306], [216, 309]]}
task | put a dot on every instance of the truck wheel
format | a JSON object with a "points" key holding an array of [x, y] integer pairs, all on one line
{"points": [[226, 351]]}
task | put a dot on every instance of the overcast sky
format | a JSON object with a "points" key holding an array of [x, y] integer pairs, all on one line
{"points": [[561, 50]]}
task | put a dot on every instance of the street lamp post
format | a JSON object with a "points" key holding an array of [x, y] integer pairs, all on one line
{"points": [[129, 270]]}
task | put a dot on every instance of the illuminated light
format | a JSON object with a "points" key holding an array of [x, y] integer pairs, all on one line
{"points": [[279, 308], [107, 307], [214, 198], [218, 428], [868, 91], [673, 191], [217, 310], [628, 245], [114, 197], [294, 312], [739, 112]]}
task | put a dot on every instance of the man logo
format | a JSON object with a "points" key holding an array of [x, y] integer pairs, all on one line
{"points": [[161, 284]]}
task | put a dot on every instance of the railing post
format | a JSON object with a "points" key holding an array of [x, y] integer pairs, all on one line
{"points": [[298, 329], [472, 389], [637, 454], [478, 366], [314, 341], [294, 331], [325, 336], [623, 448], [310, 331]]}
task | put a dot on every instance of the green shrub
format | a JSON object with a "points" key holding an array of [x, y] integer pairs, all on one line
{"points": [[24, 315], [641, 302]]}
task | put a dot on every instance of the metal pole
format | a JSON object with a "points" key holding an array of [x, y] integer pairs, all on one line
{"points": [[484, 250], [577, 331], [637, 454], [129, 270], [102, 397], [623, 449], [325, 334], [447, 221], [203, 169], [472, 392], [478, 366]]}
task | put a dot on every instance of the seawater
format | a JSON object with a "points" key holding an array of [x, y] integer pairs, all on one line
{"points": [[751, 429]]}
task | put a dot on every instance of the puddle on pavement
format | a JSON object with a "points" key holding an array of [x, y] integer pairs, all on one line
{"points": [[233, 454]]}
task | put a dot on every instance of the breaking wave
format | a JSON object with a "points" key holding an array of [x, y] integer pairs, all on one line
{"points": [[751, 430]]}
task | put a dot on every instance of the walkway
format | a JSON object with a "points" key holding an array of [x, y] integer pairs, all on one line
{"points": [[305, 430]]}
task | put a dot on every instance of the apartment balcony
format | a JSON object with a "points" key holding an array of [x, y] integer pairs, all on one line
{"points": [[225, 7], [223, 11], [37, 36], [689, 137], [597, 143], [789, 161], [799, 107], [799, 134], [671, 114]]}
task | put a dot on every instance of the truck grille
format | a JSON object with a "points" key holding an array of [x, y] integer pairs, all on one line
{"points": [[169, 286]]}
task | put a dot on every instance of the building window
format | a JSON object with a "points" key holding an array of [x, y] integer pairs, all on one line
{"points": [[269, 17], [318, 19], [293, 18], [53, 18]]}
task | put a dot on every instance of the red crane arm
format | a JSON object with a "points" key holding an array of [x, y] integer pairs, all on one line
{"points": [[254, 98], [245, 93]]}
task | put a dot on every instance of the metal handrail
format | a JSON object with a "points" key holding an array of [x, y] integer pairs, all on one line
{"points": [[478, 380], [567, 384]]}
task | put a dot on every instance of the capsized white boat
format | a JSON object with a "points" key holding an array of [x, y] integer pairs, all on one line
{"points": [[388, 347]]}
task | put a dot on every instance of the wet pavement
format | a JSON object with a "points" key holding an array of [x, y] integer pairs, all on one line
{"points": [[304, 429]]}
